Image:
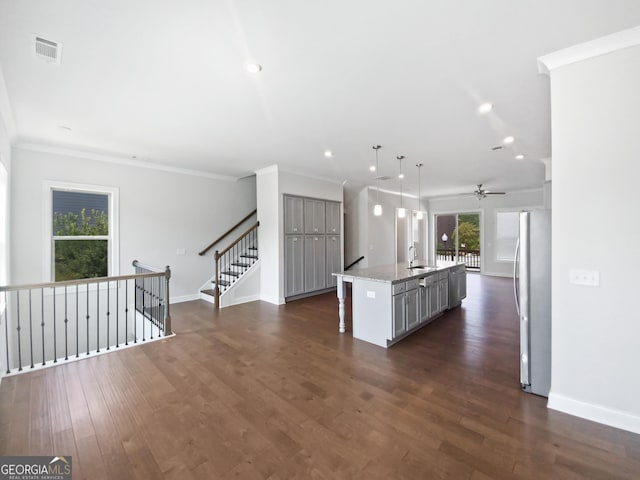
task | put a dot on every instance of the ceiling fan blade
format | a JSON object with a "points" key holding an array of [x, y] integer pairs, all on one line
{"points": [[494, 193]]}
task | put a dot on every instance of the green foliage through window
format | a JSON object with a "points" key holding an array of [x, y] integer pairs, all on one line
{"points": [[86, 258]]}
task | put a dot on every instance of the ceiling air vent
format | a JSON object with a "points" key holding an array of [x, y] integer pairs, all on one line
{"points": [[47, 50]]}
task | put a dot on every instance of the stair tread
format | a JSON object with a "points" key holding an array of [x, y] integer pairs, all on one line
{"points": [[252, 248], [249, 256], [210, 291], [232, 273], [240, 264], [222, 282]]}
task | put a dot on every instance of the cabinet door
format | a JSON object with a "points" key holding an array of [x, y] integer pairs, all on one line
{"points": [[332, 217], [333, 259], [443, 294], [294, 265], [412, 308], [293, 215], [314, 216], [398, 315], [314, 268], [424, 303], [433, 300]]}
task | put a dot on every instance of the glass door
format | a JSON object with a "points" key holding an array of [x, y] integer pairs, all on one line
{"points": [[458, 239]]}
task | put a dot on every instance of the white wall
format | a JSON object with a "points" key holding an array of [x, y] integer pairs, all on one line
{"points": [[272, 184], [269, 234], [356, 229], [159, 212], [526, 199], [596, 330]]}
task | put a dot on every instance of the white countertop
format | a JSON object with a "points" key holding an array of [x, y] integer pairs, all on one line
{"points": [[397, 272]]}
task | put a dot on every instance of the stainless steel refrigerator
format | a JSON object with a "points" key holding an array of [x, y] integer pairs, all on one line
{"points": [[532, 289]]}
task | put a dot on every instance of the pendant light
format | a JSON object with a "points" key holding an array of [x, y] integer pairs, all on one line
{"points": [[377, 208], [402, 212], [419, 212]]}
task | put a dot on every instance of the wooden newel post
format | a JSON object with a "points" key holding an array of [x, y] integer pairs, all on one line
{"points": [[217, 289], [167, 315]]}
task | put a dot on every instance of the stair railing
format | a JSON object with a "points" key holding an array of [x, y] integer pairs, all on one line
{"points": [[242, 253], [225, 234], [354, 262], [47, 323]]}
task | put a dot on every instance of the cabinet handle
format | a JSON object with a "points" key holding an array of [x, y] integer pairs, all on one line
{"points": [[315, 229], [316, 239], [295, 229], [295, 239]]}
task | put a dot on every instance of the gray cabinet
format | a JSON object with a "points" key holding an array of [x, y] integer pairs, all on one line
{"points": [[314, 216], [294, 264], [406, 307], [443, 292], [332, 214], [315, 224], [314, 262], [293, 215], [332, 259]]}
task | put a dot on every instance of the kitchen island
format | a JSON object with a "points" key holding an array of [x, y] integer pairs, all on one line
{"points": [[391, 302]]}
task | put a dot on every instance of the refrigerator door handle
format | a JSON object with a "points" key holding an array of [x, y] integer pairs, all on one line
{"points": [[516, 259]]}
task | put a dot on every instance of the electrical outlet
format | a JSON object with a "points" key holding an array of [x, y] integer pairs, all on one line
{"points": [[590, 278]]}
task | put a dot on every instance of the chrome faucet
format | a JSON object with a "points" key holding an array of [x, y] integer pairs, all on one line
{"points": [[411, 256]]}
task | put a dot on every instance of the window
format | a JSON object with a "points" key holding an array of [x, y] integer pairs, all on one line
{"points": [[81, 224], [507, 231]]}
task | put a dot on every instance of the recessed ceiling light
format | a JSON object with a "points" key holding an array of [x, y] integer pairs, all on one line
{"points": [[508, 140], [328, 153], [401, 176], [372, 168], [519, 156], [254, 67], [485, 107]]}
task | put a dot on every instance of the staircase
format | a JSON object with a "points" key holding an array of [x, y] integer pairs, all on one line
{"points": [[232, 265], [233, 272]]}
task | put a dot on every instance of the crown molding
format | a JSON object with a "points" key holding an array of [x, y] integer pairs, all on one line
{"points": [[118, 160], [593, 48], [267, 170]]}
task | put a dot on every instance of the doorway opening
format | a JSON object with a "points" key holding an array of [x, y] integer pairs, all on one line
{"points": [[458, 239]]}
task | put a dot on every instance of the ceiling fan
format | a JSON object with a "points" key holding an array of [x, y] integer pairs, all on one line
{"points": [[480, 193]]}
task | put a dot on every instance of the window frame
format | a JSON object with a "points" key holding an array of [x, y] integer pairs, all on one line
{"points": [[113, 247]]}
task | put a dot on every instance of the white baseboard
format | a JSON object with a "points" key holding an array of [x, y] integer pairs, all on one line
{"points": [[184, 298], [238, 301], [596, 413], [270, 299]]}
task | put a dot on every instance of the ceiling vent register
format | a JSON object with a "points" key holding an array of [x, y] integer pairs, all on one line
{"points": [[48, 51]]}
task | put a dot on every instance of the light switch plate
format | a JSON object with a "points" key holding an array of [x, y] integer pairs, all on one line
{"points": [[589, 278], [371, 294]]}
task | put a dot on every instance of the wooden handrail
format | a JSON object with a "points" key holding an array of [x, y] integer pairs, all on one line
{"points": [[246, 232], [212, 244], [354, 262]]}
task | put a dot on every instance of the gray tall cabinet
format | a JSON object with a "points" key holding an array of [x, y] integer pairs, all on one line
{"points": [[312, 247]]}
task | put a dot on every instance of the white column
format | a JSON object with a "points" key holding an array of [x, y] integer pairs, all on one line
{"points": [[342, 293]]}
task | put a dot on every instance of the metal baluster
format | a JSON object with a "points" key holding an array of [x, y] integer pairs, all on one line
{"points": [[97, 316], [151, 310], [30, 329], [144, 295], [126, 311], [117, 314], [41, 319], [6, 327], [66, 328], [108, 313], [77, 325], [18, 328], [55, 341], [135, 309], [87, 319]]}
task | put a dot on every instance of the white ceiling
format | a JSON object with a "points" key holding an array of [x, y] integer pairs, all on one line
{"points": [[165, 81]]}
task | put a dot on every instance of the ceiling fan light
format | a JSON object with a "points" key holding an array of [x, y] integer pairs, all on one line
{"points": [[377, 210], [485, 108]]}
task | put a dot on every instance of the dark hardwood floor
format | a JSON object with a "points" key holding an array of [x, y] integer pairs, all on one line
{"points": [[260, 391]]}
